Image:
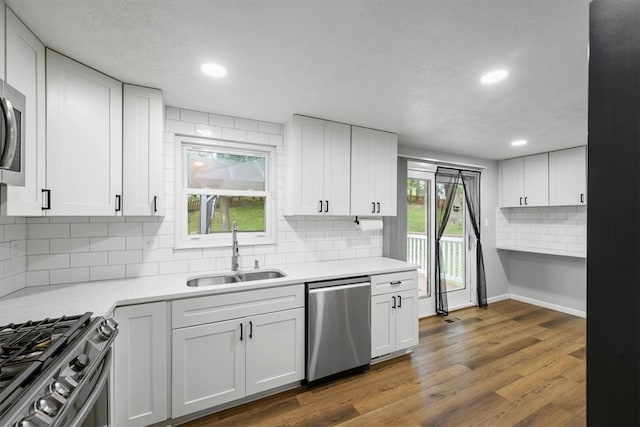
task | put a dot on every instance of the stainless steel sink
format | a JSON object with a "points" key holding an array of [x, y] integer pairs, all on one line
{"points": [[224, 279]]}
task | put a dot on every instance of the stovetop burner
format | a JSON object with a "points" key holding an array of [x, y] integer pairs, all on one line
{"points": [[28, 348]]}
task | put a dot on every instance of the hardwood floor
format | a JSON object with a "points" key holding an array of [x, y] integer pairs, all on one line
{"points": [[513, 364]]}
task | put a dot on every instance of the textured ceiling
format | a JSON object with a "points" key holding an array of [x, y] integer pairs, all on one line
{"points": [[407, 66]]}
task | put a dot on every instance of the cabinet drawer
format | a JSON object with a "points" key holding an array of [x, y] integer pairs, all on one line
{"points": [[394, 282], [215, 308]]}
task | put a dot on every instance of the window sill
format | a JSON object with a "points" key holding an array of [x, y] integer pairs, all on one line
{"points": [[195, 243]]}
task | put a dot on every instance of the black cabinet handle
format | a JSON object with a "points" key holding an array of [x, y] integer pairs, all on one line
{"points": [[326, 208], [525, 200], [240, 331], [520, 201], [581, 197], [399, 301], [394, 302], [155, 203], [373, 207], [320, 209], [397, 282], [250, 329], [46, 193], [378, 207], [118, 203]]}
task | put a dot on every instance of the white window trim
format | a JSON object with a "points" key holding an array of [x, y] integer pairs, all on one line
{"points": [[182, 240]]}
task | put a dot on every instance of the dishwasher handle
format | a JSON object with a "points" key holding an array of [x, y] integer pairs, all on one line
{"points": [[324, 289]]}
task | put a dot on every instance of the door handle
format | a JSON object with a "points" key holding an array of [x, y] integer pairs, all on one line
{"points": [[581, 197], [399, 301], [394, 302], [11, 140], [326, 208], [373, 205], [118, 203], [155, 203], [48, 199], [378, 207], [525, 200], [320, 209], [520, 201], [240, 331], [250, 329]]}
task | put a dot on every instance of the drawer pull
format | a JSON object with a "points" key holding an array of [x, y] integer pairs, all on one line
{"points": [[396, 283]]}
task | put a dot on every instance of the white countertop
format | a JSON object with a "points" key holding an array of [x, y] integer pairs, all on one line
{"points": [[102, 296]]}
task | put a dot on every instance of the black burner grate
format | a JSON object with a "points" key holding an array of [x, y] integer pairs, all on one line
{"points": [[27, 348]]}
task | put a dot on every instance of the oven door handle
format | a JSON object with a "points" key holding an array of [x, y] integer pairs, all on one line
{"points": [[95, 393], [11, 139]]}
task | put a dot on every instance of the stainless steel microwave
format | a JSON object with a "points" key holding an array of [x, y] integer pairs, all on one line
{"points": [[13, 109]]}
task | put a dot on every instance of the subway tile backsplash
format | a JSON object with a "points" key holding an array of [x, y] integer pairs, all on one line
{"points": [[56, 250], [551, 230]]}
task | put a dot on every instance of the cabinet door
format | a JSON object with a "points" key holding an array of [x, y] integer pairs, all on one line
{"points": [[513, 182], [208, 366], [536, 180], [142, 145], [406, 319], [275, 350], [140, 365], [363, 194], [568, 177], [307, 157], [386, 173], [337, 164], [383, 331], [84, 138], [26, 72]]}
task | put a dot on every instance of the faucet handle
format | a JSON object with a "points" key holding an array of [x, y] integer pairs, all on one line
{"points": [[234, 225]]}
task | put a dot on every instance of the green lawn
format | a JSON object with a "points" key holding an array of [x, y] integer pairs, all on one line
{"points": [[415, 222], [250, 217]]}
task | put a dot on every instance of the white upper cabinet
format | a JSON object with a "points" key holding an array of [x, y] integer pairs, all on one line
{"points": [[84, 139], [318, 159], [525, 181], [25, 71], [3, 10], [373, 172], [142, 146], [568, 177], [536, 180]]}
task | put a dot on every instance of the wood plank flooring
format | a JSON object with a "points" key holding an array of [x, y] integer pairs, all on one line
{"points": [[513, 364]]}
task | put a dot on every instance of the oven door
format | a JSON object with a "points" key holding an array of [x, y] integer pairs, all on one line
{"points": [[12, 124]]}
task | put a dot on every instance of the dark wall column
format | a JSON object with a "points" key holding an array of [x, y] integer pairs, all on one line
{"points": [[613, 215]]}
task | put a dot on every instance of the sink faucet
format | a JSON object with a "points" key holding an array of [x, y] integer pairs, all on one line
{"points": [[234, 247]]}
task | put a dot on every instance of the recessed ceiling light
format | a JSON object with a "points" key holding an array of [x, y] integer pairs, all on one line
{"points": [[519, 142], [494, 77], [214, 70]]}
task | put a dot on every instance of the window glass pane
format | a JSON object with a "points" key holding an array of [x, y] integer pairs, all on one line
{"points": [[208, 214], [225, 171]]}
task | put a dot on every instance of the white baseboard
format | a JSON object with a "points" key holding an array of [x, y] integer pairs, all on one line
{"points": [[550, 306], [498, 298]]}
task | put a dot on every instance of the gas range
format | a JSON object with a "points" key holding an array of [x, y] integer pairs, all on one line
{"points": [[52, 371]]}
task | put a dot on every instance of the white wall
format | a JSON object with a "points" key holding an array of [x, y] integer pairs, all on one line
{"points": [[494, 260], [78, 249], [549, 279], [13, 231]]}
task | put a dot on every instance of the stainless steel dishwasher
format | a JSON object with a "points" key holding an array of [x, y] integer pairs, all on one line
{"points": [[338, 326]]}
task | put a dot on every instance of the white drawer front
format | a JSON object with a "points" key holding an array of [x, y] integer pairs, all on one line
{"points": [[216, 308], [394, 282]]}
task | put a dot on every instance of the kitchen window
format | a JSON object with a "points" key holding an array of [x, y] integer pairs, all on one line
{"points": [[221, 182]]}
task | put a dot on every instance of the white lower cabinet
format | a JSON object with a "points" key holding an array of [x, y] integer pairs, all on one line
{"points": [[223, 361], [208, 366], [140, 368], [394, 313]]}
